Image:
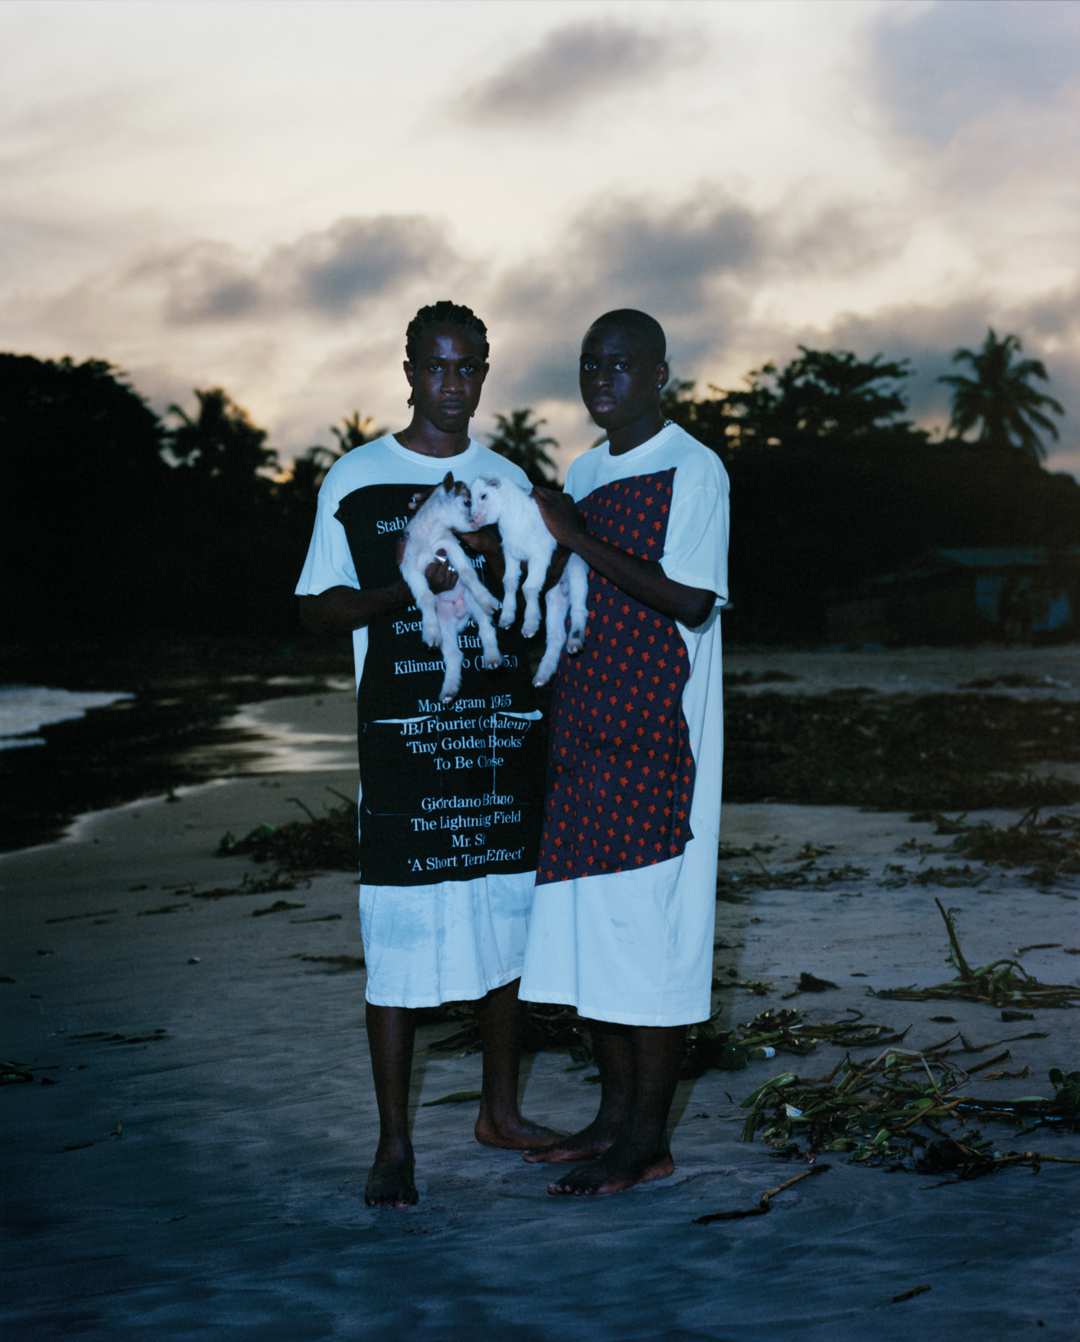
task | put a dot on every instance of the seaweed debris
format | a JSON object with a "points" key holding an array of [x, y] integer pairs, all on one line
{"points": [[898, 752], [1053, 847], [763, 1204], [328, 841], [545, 1028], [877, 1110], [731, 884], [1002, 983], [771, 1032]]}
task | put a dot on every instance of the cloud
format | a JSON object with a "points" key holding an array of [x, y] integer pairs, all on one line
{"points": [[688, 266], [325, 274], [952, 64], [696, 266], [574, 65]]}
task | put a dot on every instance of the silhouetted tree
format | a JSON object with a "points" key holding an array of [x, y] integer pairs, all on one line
{"points": [[1000, 398], [824, 398], [517, 438], [297, 495], [354, 432], [82, 485], [222, 445]]}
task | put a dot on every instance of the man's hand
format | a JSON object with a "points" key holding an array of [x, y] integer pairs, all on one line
{"points": [[440, 574], [561, 515]]}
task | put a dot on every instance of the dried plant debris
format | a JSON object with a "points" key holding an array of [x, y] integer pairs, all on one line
{"points": [[763, 1204], [772, 1032], [14, 1074], [546, 1028], [1051, 849], [810, 983], [1016, 681], [337, 964], [329, 841], [892, 1112], [1002, 983], [732, 885], [253, 885], [897, 752], [278, 906], [104, 1037]]}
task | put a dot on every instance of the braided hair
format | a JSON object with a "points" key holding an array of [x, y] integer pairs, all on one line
{"points": [[436, 314]]}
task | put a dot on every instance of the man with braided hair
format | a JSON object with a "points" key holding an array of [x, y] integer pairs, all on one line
{"points": [[450, 796]]}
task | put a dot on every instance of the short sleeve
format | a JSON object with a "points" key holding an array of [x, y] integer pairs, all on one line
{"points": [[696, 544], [329, 561]]}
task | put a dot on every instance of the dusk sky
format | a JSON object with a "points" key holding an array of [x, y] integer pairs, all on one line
{"points": [[258, 194]]}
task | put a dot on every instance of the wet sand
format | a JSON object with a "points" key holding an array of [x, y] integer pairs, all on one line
{"points": [[197, 1169]]}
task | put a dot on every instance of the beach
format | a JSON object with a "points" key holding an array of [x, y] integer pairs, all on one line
{"points": [[187, 1158]]}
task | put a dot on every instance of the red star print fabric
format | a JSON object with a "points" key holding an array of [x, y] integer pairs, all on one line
{"points": [[620, 767]]}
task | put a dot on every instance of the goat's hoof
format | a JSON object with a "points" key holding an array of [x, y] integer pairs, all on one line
{"points": [[541, 679], [529, 628], [506, 621], [493, 662], [574, 645]]}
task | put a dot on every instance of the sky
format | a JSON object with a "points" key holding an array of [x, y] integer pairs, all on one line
{"points": [[259, 194]]}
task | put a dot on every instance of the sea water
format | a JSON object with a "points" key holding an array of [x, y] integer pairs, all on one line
{"points": [[24, 709]]}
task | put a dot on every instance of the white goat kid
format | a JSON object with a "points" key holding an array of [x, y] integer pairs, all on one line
{"points": [[525, 539], [429, 535]]}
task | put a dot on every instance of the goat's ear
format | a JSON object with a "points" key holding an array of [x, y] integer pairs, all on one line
{"points": [[493, 481], [448, 482]]}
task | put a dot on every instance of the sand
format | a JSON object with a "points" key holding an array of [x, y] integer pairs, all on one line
{"points": [[197, 1169]]}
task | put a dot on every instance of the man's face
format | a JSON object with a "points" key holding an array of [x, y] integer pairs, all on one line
{"points": [[620, 379], [447, 376]]}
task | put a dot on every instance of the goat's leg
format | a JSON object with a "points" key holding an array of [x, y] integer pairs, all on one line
{"points": [[451, 650], [511, 578], [467, 576], [576, 580], [424, 597], [489, 640], [556, 604], [531, 592]]}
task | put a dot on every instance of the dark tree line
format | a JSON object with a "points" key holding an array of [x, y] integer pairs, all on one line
{"points": [[832, 484], [116, 520]]}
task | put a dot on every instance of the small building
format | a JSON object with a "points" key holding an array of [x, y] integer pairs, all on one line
{"points": [[1015, 594]]}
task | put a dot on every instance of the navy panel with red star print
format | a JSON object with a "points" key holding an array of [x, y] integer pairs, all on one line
{"points": [[620, 768]]}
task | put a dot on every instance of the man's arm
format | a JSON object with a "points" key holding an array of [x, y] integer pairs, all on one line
{"points": [[642, 579], [345, 608]]}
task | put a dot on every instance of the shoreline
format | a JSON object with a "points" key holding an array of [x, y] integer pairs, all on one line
{"points": [[189, 1156], [185, 723], [195, 716]]}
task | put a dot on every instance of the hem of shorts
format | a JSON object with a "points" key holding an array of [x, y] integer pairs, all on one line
{"points": [[616, 1016], [436, 1000]]}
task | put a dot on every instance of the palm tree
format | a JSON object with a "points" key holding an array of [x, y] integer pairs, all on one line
{"points": [[1000, 398], [356, 431], [220, 443], [519, 440]]}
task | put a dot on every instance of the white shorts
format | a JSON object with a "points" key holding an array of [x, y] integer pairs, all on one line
{"points": [[631, 947], [451, 942]]}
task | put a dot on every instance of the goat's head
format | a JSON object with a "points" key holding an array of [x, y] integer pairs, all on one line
{"points": [[486, 499]]}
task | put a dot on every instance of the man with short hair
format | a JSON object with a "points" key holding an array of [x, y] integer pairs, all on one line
{"points": [[450, 795], [623, 918]]}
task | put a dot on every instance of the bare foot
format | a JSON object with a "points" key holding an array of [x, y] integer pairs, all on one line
{"points": [[611, 1174], [516, 1134], [390, 1180], [583, 1145]]}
